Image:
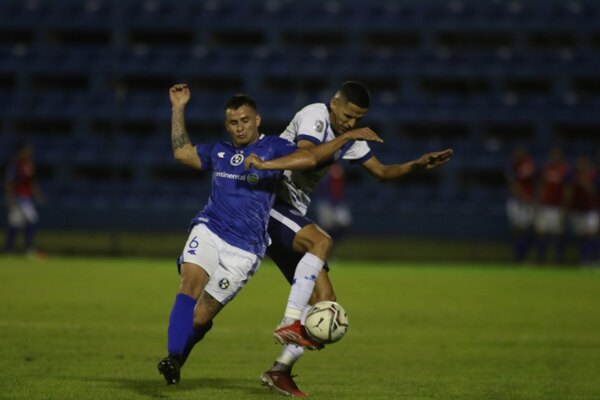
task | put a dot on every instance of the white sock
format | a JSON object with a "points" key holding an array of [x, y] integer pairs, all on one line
{"points": [[304, 281], [288, 357], [304, 312]]}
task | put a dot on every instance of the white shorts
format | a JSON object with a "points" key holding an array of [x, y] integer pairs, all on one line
{"points": [[549, 220], [22, 213], [584, 223], [227, 266], [520, 214]]}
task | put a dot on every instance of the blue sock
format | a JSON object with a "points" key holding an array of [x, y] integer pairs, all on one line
{"points": [[196, 336], [180, 323]]}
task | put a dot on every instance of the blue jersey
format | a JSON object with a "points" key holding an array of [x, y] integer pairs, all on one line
{"points": [[239, 202]]}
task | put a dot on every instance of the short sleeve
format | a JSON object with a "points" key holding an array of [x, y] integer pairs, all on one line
{"points": [[312, 125], [283, 147], [358, 153], [205, 153]]}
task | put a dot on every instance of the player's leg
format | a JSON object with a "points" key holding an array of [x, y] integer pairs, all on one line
{"points": [[279, 376], [31, 218], [195, 273], [299, 249], [16, 220], [316, 245], [323, 290], [192, 281], [541, 232], [234, 268], [283, 230], [11, 238]]}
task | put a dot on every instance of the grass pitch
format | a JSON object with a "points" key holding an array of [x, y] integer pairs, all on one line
{"points": [[77, 328]]}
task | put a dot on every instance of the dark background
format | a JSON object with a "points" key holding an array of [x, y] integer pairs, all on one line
{"points": [[86, 82]]}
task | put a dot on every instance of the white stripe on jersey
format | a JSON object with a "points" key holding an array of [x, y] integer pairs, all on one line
{"points": [[285, 220]]}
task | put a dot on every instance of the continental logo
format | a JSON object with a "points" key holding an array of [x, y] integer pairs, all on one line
{"points": [[251, 178]]}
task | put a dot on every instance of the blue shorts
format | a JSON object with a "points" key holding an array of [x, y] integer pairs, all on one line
{"points": [[284, 222]]}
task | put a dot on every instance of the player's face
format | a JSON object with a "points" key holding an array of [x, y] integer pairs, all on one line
{"points": [[242, 125], [345, 115]]}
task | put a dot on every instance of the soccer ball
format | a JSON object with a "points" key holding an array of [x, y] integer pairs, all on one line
{"points": [[326, 322]]}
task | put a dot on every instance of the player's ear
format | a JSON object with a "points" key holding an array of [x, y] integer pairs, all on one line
{"points": [[258, 120], [334, 102]]}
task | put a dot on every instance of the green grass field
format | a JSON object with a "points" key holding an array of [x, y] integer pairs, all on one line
{"points": [[77, 328]]}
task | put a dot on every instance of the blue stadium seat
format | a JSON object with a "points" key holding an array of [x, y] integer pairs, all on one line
{"points": [[87, 81]]}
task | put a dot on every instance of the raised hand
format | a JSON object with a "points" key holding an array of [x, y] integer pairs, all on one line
{"points": [[179, 95]]}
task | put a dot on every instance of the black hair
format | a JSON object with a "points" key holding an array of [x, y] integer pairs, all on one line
{"points": [[355, 93], [238, 100]]}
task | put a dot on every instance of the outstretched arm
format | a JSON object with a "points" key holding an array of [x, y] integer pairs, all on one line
{"points": [[299, 160], [183, 151], [427, 161], [325, 150]]}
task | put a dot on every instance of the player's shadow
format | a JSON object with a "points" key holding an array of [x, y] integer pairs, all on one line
{"points": [[157, 389]]}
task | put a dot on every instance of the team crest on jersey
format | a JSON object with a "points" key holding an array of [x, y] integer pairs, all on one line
{"points": [[252, 179], [319, 126], [224, 283], [237, 159]]}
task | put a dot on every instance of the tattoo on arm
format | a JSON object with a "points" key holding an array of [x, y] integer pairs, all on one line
{"points": [[179, 135]]}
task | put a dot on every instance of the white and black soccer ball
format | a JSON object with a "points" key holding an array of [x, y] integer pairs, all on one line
{"points": [[326, 322]]}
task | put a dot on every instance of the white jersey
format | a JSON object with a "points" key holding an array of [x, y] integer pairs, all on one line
{"points": [[312, 124]]}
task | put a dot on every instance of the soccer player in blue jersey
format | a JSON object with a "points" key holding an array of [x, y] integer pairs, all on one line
{"points": [[228, 238], [300, 247]]}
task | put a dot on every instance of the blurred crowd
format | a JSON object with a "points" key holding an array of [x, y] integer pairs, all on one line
{"points": [[553, 206]]}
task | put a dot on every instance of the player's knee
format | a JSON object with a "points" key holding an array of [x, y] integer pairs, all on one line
{"points": [[192, 281], [189, 287], [321, 245], [312, 239]]}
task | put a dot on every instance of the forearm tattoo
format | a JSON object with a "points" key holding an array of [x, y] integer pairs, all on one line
{"points": [[179, 136]]}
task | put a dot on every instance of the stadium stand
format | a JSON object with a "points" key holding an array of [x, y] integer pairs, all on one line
{"points": [[86, 82]]}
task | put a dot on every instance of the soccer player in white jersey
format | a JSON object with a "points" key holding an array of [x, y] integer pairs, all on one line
{"points": [[300, 247], [228, 237]]}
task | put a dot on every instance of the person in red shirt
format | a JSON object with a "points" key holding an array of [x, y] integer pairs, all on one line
{"points": [[520, 205], [582, 200], [550, 214], [333, 214], [21, 192]]}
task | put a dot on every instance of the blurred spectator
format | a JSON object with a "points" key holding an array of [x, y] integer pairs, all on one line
{"points": [[582, 198], [21, 192], [520, 205], [333, 213], [550, 214]]}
